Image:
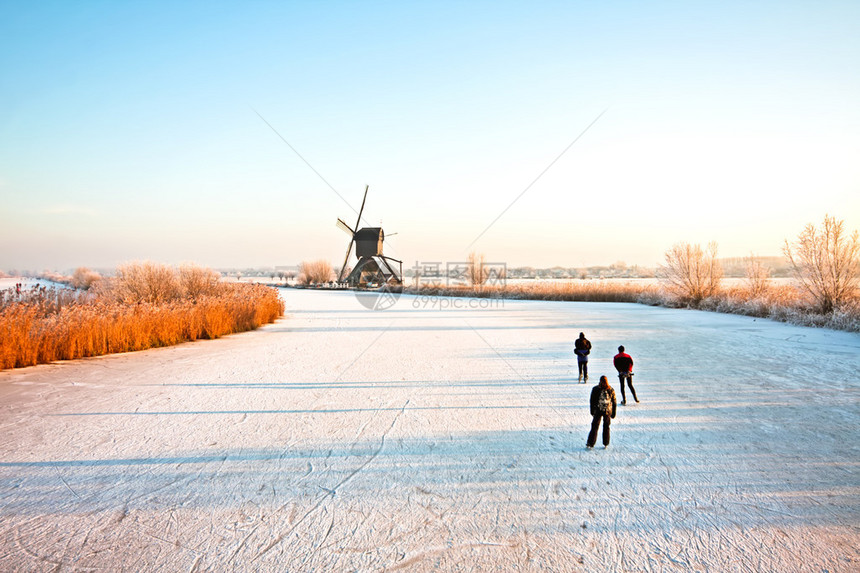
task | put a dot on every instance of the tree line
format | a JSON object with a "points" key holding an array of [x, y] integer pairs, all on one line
{"points": [[825, 261]]}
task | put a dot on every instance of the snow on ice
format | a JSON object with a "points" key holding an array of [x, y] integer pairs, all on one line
{"points": [[426, 438]]}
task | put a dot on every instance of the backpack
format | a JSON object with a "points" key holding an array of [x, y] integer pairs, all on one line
{"points": [[604, 402]]}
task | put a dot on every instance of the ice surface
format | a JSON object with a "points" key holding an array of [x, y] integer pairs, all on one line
{"points": [[428, 438]]}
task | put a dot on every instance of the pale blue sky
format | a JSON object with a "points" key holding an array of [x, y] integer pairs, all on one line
{"points": [[130, 130]]}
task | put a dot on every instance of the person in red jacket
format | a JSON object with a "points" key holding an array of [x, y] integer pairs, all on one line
{"points": [[624, 365]]}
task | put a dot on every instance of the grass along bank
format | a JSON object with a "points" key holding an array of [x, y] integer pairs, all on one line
{"points": [[782, 302], [144, 306]]}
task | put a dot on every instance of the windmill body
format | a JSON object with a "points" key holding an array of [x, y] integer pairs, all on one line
{"points": [[373, 268], [368, 242]]}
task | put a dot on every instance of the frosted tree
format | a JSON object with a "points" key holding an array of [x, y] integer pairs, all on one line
{"points": [[826, 263], [691, 273], [478, 273], [757, 275], [316, 272]]}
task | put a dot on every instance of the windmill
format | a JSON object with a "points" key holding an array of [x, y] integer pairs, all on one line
{"points": [[372, 268]]}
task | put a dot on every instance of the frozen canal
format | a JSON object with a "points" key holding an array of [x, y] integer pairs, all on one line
{"points": [[427, 438]]}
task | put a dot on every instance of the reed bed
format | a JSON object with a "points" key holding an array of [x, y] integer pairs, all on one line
{"points": [[591, 291], [55, 324], [784, 303]]}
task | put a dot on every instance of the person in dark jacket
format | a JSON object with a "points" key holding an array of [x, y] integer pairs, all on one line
{"points": [[624, 365], [582, 348], [602, 409]]}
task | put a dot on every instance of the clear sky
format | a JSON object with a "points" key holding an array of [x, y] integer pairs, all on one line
{"points": [[130, 130]]}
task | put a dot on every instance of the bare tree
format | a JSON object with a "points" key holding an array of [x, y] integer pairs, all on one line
{"points": [[826, 263], [144, 282], [84, 278], [478, 274], [757, 275], [196, 281], [691, 273], [316, 272]]}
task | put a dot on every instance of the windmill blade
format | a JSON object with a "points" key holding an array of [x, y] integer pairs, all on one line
{"points": [[360, 211], [343, 226], [340, 276]]}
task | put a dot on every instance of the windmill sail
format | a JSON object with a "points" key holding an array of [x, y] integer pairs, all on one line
{"points": [[344, 227], [352, 233]]}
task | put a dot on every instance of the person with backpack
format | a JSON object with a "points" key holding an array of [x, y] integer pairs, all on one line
{"points": [[602, 409], [582, 348], [624, 364]]}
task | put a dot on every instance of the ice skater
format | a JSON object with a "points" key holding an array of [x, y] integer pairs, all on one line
{"points": [[603, 408], [582, 348], [624, 364]]}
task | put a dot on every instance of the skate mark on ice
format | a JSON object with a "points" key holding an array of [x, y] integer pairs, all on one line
{"points": [[327, 533], [368, 347], [375, 453], [242, 544], [526, 379], [19, 541], [434, 552], [338, 543], [172, 544], [762, 508], [668, 471], [66, 548], [333, 491]]}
